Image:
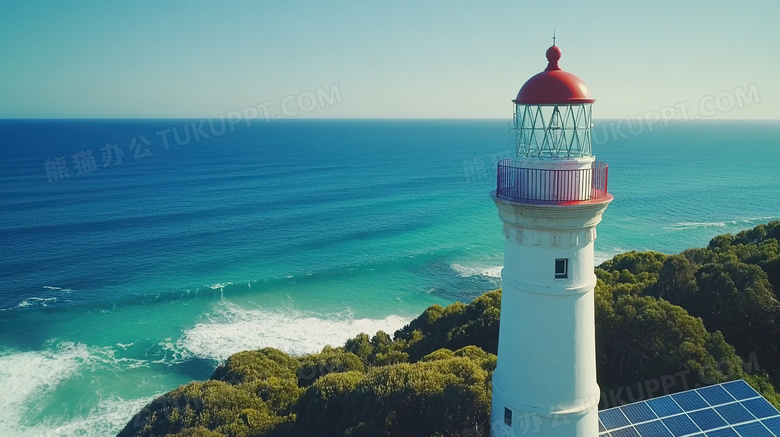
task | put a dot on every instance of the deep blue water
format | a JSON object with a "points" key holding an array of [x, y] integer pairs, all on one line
{"points": [[125, 279]]}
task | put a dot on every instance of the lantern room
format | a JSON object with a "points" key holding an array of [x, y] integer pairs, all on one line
{"points": [[553, 114]]}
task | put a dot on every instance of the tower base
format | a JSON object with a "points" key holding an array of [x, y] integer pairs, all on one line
{"points": [[556, 421]]}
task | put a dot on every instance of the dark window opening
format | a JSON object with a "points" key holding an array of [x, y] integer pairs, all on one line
{"points": [[561, 268], [508, 416]]}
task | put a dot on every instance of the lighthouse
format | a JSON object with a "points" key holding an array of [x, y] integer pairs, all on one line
{"points": [[550, 196]]}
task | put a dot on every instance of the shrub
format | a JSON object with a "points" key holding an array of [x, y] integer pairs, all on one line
{"points": [[199, 406], [329, 360]]}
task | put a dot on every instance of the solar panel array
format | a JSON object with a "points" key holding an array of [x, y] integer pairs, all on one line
{"points": [[731, 409]]}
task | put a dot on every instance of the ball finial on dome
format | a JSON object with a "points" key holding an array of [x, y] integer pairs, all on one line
{"points": [[553, 55], [553, 85]]}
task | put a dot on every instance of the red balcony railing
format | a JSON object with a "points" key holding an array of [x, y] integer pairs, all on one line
{"points": [[545, 186]]}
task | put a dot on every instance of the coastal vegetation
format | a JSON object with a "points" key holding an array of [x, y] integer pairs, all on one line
{"points": [[664, 323]]}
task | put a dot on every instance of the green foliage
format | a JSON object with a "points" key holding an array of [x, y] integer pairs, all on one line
{"points": [[260, 364], [763, 385], [379, 350], [322, 406], [329, 360], [361, 347], [737, 298], [756, 235], [402, 400], [701, 256], [479, 356], [212, 405], [364, 429], [268, 373], [675, 279], [279, 394], [772, 269], [759, 246], [439, 354], [640, 338], [454, 327], [197, 432], [732, 285], [635, 262], [391, 357], [474, 353]]}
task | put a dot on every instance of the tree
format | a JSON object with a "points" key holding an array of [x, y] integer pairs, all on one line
{"points": [[329, 360], [406, 399], [639, 338], [199, 406], [260, 364], [454, 327], [737, 299], [635, 262], [675, 280]]}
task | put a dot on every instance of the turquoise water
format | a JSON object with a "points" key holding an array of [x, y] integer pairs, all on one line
{"points": [[125, 280]]}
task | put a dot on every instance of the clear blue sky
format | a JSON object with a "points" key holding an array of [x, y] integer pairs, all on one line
{"points": [[432, 59]]}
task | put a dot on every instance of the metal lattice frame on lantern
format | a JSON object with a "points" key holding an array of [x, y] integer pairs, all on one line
{"points": [[553, 131]]}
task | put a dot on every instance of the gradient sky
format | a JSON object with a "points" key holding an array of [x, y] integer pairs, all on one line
{"points": [[431, 59]]}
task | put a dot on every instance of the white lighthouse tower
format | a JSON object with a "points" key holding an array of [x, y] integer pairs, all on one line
{"points": [[550, 197]]}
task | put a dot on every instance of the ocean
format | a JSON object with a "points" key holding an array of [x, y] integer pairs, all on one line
{"points": [[135, 255]]}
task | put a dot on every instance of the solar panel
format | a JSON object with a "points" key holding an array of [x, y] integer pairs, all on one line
{"points": [[734, 413], [739, 389], [754, 429], [625, 432], [690, 400], [772, 424], [664, 406], [680, 425], [731, 409], [654, 428], [613, 418], [760, 408], [638, 412], [707, 419], [715, 395]]}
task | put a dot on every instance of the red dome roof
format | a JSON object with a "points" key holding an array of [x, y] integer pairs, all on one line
{"points": [[553, 85]]}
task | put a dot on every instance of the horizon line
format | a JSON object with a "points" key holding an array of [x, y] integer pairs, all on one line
{"points": [[349, 118]]}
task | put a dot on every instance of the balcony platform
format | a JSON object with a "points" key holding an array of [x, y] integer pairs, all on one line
{"points": [[559, 187]]}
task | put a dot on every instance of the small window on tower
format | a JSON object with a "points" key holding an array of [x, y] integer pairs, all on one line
{"points": [[508, 416], [561, 268]]}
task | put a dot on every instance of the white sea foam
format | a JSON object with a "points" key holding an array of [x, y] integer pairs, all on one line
{"points": [[599, 256], [233, 329], [51, 287], [486, 271], [719, 224], [107, 418], [28, 377], [36, 302], [695, 225]]}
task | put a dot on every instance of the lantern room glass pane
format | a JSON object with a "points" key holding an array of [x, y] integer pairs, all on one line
{"points": [[553, 131]]}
